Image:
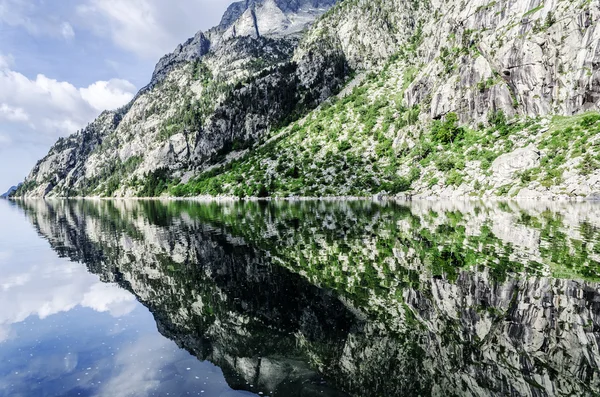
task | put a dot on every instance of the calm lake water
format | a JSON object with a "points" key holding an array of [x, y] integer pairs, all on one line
{"points": [[368, 299]]}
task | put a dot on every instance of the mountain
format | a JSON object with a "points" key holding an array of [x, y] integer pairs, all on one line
{"points": [[356, 97], [10, 191]]}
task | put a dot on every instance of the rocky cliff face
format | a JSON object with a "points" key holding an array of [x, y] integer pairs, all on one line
{"points": [[427, 299], [220, 90], [496, 72]]}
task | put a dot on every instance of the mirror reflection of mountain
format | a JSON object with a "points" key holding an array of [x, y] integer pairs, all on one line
{"points": [[380, 299]]}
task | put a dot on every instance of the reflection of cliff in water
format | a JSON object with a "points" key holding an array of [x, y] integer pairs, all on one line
{"points": [[219, 300], [381, 299]]}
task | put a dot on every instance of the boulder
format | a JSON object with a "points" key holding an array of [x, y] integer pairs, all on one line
{"points": [[505, 167]]}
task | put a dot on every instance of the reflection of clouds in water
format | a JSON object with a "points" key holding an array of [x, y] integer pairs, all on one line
{"points": [[14, 281], [48, 289], [139, 363], [107, 298], [5, 255], [137, 368], [154, 365], [38, 283], [5, 333]]}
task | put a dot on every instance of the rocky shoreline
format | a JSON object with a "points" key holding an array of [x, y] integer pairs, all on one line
{"points": [[378, 197]]}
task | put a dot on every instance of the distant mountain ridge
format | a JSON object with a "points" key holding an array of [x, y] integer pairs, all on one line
{"points": [[10, 191]]}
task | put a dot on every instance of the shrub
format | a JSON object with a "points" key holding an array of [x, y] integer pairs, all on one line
{"points": [[550, 20], [112, 185], [503, 190], [412, 116], [384, 149], [588, 165], [481, 86], [262, 191], [155, 183], [455, 178], [589, 120], [423, 150], [553, 177], [447, 131], [414, 174], [398, 185], [344, 146], [525, 177], [497, 118], [445, 164]]}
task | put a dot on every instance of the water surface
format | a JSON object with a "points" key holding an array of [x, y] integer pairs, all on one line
{"points": [[127, 298]]}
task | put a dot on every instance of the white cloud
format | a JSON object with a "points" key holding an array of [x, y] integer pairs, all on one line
{"points": [[14, 13], [6, 61], [162, 361], [12, 114], [34, 18], [56, 108], [66, 30], [130, 380], [5, 255], [108, 94], [130, 357], [150, 28]]}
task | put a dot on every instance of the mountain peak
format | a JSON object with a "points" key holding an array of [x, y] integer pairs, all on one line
{"points": [[194, 48], [237, 9], [271, 17], [249, 18]]}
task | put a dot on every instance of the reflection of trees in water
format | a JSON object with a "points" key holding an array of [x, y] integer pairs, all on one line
{"points": [[383, 299]]}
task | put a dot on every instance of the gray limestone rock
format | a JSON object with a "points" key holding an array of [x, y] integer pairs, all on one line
{"points": [[506, 167]]}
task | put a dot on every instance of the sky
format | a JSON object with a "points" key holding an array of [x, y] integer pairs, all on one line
{"points": [[62, 62]]}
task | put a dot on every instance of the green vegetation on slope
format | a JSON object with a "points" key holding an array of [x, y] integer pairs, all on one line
{"points": [[368, 142]]}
